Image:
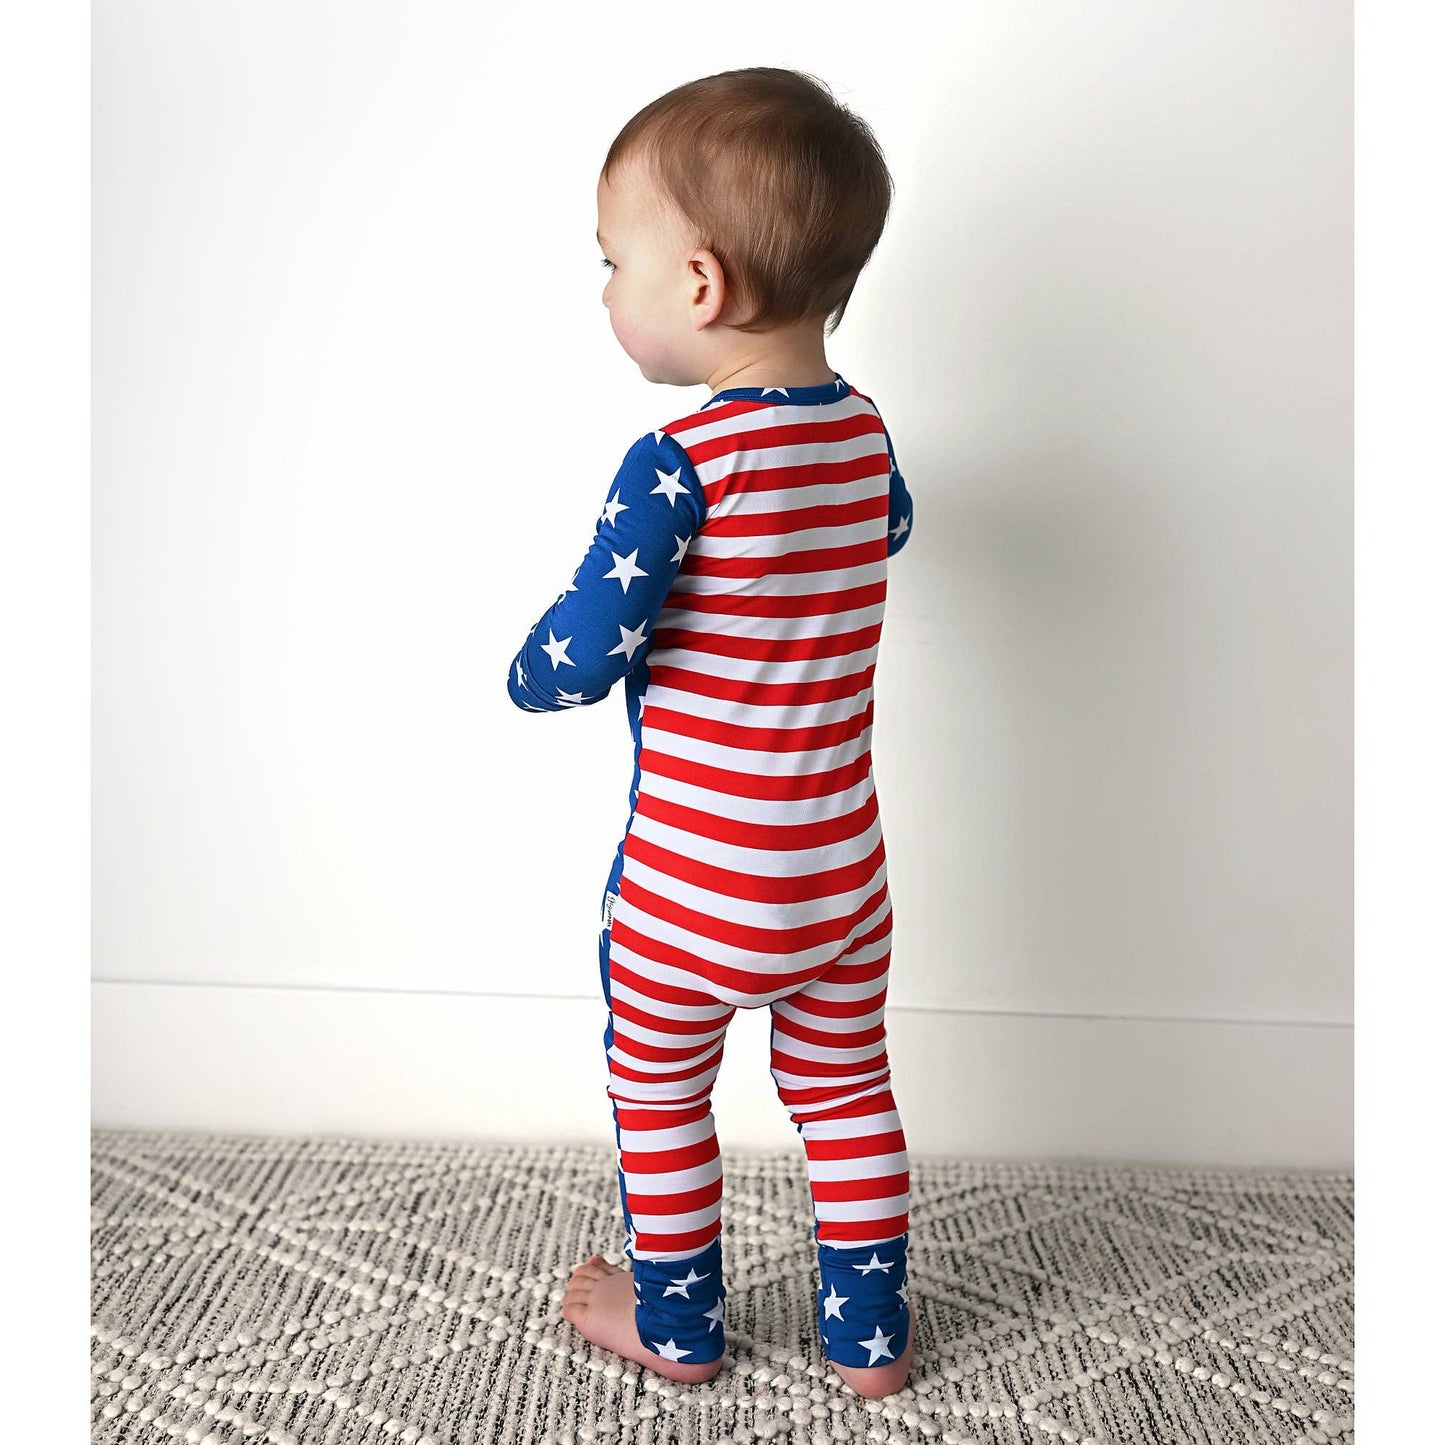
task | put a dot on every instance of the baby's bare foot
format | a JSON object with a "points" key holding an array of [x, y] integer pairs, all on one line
{"points": [[601, 1304], [875, 1381]]}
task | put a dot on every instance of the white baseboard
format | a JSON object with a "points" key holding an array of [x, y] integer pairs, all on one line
{"points": [[429, 1065]]}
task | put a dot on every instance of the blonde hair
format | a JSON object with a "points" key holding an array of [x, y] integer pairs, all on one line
{"points": [[784, 184]]}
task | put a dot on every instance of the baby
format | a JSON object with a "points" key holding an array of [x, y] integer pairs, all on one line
{"points": [[736, 585]]}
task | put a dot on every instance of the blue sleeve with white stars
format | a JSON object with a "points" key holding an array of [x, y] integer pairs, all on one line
{"points": [[600, 626], [900, 504]]}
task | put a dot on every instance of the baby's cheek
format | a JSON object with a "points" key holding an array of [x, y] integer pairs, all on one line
{"points": [[636, 340], [622, 327]]}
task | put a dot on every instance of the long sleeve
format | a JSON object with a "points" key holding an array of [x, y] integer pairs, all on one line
{"points": [[900, 504], [600, 626]]}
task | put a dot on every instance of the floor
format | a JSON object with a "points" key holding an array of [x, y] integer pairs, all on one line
{"points": [[305, 1291]]}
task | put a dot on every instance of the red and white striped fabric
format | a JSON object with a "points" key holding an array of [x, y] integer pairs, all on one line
{"points": [[829, 1060], [754, 856], [753, 871]]}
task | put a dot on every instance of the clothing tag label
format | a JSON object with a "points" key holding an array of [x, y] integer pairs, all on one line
{"points": [[607, 903]]}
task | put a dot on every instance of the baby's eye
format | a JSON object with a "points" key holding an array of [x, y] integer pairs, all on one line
{"points": [[606, 262]]}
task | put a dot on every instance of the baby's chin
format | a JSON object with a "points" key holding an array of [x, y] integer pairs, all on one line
{"points": [[663, 370], [668, 374]]}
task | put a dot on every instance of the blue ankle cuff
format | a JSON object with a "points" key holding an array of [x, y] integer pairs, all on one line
{"points": [[680, 1305], [863, 1315]]}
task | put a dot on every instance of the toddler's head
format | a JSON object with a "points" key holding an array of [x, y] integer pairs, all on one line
{"points": [[736, 213]]}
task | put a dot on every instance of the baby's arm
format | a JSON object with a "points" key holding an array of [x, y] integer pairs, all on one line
{"points": [[600, 626], [900, 504]]}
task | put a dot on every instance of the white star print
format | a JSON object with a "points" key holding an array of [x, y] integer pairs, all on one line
{"points": [[575, 698], [681, 548], [833, 1305], [669, 483], [874, 1263], [613, 507], [901, 528], [680, 1286], [521, 676], [782, 390], [878, 1345], [670, 1351], [902, 1294], [631, 639], [626, 568], [557, 651], [631, 1233], [715, 1314]]}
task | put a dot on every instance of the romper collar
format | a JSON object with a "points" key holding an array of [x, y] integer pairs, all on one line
{"points": [[784, 395]]}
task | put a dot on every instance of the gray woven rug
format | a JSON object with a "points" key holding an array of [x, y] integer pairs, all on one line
{"points": [[336, 1290]]}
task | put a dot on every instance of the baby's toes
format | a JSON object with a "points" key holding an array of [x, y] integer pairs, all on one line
{"points": [[576, 1300]]}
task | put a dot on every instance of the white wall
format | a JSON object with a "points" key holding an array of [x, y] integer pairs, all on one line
{"points": [[356, 405]]}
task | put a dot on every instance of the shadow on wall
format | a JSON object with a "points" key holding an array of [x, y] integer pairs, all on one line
{"points": [[1130, 723]]}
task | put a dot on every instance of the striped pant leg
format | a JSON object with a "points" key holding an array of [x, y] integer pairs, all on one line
{"points": [[664, 1045], [830, 1063]]}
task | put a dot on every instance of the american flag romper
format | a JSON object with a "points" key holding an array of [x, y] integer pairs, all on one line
{"points": [[736, 583]]}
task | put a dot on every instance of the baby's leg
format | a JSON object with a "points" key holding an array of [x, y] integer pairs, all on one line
{"points": [[830, 1064], [664, 1045]]}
